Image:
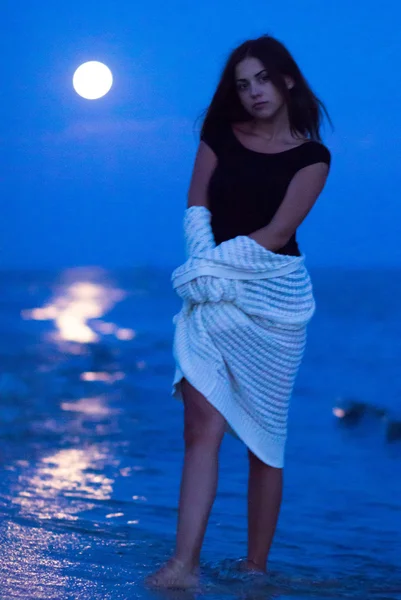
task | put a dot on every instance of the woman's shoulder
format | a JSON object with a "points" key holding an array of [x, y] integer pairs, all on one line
{"points": [[215, 134], [314, 151]]}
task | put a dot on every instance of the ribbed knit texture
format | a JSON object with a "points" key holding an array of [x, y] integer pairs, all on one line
{"points": [[241, 333]]}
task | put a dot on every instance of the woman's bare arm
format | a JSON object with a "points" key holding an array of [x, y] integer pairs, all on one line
{"points": [[301, 195], [205, 164]]}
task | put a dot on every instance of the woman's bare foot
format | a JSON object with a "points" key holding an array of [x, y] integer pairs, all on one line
{"points": [[248, 566], [175, 574]]}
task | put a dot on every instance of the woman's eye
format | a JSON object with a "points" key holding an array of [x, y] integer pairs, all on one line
{"points": [[265, 78], [241, 86]]}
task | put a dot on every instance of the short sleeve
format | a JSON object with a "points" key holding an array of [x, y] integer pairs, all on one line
{"points": [[212, 135], [312, 153]]}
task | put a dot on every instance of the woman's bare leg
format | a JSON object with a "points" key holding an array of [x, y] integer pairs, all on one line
{"points": [[204, 428], [265, 488]]}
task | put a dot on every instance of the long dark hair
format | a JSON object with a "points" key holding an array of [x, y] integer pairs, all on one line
{"points": [[305, 110]]}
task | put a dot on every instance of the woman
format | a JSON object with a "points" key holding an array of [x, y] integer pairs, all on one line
{"points": [[259, 170]]}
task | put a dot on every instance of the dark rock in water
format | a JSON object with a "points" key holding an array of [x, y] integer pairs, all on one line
{"points": [[393, 429], [352, 411]]}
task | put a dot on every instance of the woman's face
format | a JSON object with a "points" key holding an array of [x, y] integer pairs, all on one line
{"points": [[257, 94]]}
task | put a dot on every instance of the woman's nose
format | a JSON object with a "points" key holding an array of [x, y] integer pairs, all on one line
{"points": [[254, 89]]}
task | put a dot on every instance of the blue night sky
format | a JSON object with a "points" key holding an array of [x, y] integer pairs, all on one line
{"points": [[104, 182]]}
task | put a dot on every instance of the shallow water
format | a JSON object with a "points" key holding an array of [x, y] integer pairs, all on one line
{"points": [[91, 445]]}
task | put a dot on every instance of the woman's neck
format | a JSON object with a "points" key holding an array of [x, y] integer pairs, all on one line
{"points": [[274, 130]]}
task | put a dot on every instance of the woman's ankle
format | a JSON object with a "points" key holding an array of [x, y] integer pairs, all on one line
{"points": [[190, 564], [258, 565]]}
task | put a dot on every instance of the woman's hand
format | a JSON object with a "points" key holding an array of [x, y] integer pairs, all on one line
{"points": [[207, 288]]}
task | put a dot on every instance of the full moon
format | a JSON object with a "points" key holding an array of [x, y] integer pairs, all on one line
{"points": [[92, 80]]}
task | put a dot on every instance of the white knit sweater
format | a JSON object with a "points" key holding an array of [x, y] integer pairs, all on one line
{"points": [[240, 335]]}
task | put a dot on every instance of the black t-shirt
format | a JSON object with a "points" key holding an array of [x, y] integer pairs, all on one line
{"points": [[247, 186]]}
